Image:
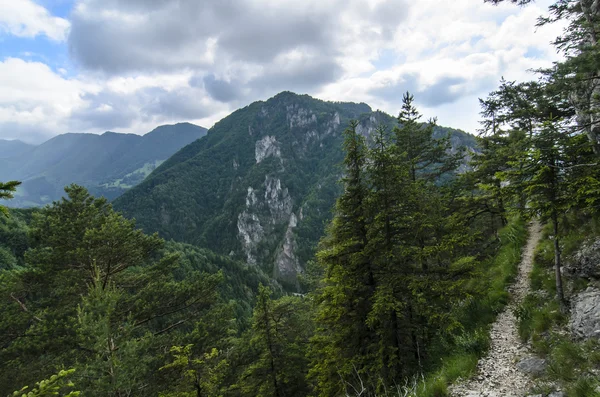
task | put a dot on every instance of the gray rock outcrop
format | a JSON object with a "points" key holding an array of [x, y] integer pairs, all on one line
{"points": [[585, 314], [586, 261]]}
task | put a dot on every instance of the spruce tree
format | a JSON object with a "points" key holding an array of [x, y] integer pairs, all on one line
{"points": [[344, 344], [279, 336]]}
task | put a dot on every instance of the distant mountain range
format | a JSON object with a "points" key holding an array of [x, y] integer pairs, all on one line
{"points": [[107, 164], [261, 185]]}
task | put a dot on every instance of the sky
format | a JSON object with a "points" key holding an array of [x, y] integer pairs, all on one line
{"points": [[131, 65]]}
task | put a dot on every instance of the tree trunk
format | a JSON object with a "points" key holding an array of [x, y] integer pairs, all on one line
{"points": [[560, 296]]}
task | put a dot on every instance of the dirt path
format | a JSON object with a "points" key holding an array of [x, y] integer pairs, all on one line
{"points": [[497, 374]]}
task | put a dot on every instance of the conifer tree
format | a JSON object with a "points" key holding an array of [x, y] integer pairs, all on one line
{"points": [[426, 156], [388, 182], [134, 294], [344, 344], [279, 335], [6, 192], [545, 180]]}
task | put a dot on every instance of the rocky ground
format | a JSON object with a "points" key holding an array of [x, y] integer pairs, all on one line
{"points": [[502, 373]]}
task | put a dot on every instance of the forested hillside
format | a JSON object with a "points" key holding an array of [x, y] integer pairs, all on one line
{"points": [[261, 185], [408, 241], [107, 164]]}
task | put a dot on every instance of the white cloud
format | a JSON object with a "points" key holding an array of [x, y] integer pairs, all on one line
{"points": [[35, 101], [25, 18], [450, 53], [147, 62]]}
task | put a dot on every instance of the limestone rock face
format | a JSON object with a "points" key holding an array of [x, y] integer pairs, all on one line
{"points": [[586, 261], [300, 117], [585, 314], [251, 233], [266, 147], [287, 265], [278, 199]]}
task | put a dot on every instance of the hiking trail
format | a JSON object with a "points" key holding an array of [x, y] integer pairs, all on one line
{"points": [[497, 374]]}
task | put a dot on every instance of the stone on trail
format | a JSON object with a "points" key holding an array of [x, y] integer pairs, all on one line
{"points": [[532, 366], [557, 394]]}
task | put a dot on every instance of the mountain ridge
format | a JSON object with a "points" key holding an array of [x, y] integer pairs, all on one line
{"points": [[261, 185], [101, 162]]}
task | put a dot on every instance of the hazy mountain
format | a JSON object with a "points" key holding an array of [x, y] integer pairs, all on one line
{"points": [[261, 185], [107, 164], [13, 148]]}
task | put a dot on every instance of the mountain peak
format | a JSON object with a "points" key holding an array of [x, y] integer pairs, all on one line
{"points": [[352, 107], [179, 128]]}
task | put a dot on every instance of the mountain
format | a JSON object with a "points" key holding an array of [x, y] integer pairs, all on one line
{"points": [[106, 164], [261, 185], [13, 148]]}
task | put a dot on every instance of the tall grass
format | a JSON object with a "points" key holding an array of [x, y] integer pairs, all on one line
{"points": [[477, 315]]}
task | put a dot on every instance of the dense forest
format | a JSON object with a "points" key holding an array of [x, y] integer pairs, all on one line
{"points": [[400, 295]]}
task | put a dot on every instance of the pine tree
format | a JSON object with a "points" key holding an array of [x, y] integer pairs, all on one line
{"points": [[344, 344], [545, 180], [388, 182], [6, 192], [425, 156]]}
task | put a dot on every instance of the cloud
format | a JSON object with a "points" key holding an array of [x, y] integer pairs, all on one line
{"points": [[298, 73], [140, 63], [37, 103], [34, 98], [220, 90], [448, 54], [149, 106], [446, 89], [25, 18], [119, 35]]}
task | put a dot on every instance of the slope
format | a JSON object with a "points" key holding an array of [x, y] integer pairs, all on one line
{"points": [[107, 164], [260, 187], [12, 148]]}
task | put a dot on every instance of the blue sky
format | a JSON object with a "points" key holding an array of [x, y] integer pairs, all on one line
{"points": [[130, 65]]}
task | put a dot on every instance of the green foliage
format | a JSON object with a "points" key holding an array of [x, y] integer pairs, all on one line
{"points": [[397, 265], [280, 333], [459, 358], [96, 294], [541, 321], [585, 387], [6, 192], [203, 376], [56, 385]]}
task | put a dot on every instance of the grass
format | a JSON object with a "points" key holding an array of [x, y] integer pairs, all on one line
{"points": [[478, 315], [540, 321]]}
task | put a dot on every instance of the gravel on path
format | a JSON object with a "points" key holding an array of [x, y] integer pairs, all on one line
{"points": [[497, 373]]}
